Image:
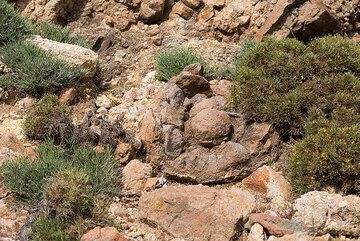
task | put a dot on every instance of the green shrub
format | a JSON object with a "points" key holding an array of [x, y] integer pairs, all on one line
{"points": [[282, 81], [41, 116], [50, 229], [36, 72], [28, 178], [13, 26], [171, 62], [60, 34], [68, 193], [329, 155]]}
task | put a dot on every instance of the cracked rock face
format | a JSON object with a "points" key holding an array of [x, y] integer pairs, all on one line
{"points": [[322, 212], [197, 213]]}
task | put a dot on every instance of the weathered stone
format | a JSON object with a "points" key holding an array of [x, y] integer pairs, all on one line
{"points": [[226, 162], [192, 3], [215, 3], [197, 212], [123, 152], [300, 236], [103, 234], [72, 54], [149, 130], [173, 94], [254, 135], [182, 10], [135, 175], [256, 233], [11, 219], [192, 84], [170, 115], [215, 102], [103, 101], [322, 212], [196, 69], [174, 141], [152, 10], [209, 127], [207, 13], [275, 225], [68, 95], [267, 182]]}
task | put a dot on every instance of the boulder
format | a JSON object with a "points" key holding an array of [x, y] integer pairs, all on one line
{"points": [[226, 162], [322, 213], [135, 175], [72, 54], [271, 185], [275, 225], [103, 234], [182, 10], [209, 127], [256, 233], [174, 141], [191, 84], [197, 212], [215, 102], [300, 236], [192, 3], [152, 11], [255, 134]]}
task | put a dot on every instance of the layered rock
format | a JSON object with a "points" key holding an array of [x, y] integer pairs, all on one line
{"points": [[197, 212]]}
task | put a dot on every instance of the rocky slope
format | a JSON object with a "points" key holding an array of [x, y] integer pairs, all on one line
{"points": [[194, 169]]}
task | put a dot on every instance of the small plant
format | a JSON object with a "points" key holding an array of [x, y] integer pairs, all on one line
{"points": [[13, 26], [60, 34], [41, 116], [35, 71], [28, 178], [329, 155], [170, 63]]}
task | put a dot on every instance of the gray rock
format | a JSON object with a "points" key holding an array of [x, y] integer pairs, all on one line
{"points": [[174, 141]]}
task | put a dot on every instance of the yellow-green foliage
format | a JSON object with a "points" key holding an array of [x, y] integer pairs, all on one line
{"points": [[42, 114], [329, 155], [280, 81]]}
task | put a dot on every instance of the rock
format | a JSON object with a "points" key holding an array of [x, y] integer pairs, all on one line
{"points": [[215, 3], [256, 233], [207, 13], [170, 115], [103, 101], [68, 95], [299, 236], [191, 84], [275, 225], [72, 54], [196, 69], [174, 141], [209, 127], [322, 213], [192, 3], [197, 212], [151, 184], [273, 186], [152, 11], [103, 234], [226, 162], [25, 103], [254, 135], [135, 174], [182, 10], [149, 130], [123, 152], [215, 102], [11, 219], [173, 95]]}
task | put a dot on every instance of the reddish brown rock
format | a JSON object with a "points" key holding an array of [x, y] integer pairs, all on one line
{"points": [[192, 84], [274, 225], [68, 95], [182, 10], [103, 234], [256, 134], [135, 175], [149, 130], [124, 151], [207, 13], [152, 11], [268, 183], [216, 102], [209, 127], [197, 212], [192, 3]]}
